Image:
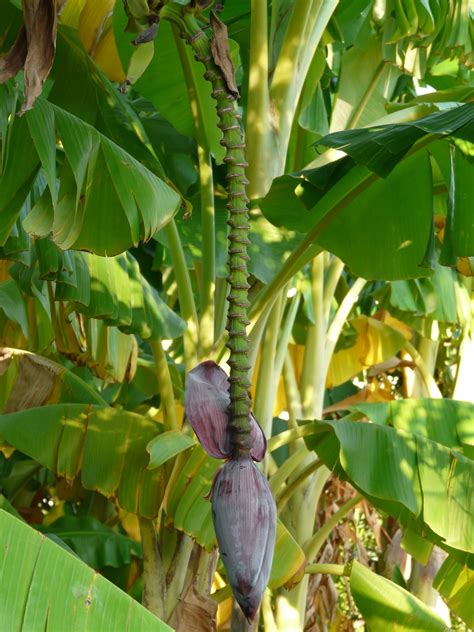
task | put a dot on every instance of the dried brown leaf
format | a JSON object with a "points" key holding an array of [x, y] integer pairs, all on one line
{"points": [[221, 53], [35, 383], [41, 26], [195, 613], [14, 60], [33, 50]]}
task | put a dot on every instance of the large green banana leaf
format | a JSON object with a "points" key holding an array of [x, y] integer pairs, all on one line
{"points": [[106, 446], [446, 421], [455, 583], [370, 196], [119, 294], [107, 201], [386, 606], [407, 473], [42, 586]]}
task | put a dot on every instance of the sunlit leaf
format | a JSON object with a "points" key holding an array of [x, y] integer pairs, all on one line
{"points": [[78, 598]]}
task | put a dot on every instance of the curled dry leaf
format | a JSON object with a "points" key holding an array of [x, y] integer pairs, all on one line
{"points": [[33, 50], [207, 409], [35, 383], [221, 53], [244, 516], [195, 613]]}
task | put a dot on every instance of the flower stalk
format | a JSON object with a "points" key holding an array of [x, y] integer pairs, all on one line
{"points": [[230, 122]]}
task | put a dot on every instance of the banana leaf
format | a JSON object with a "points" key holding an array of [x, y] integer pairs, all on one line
{"points": [[42, 586]]}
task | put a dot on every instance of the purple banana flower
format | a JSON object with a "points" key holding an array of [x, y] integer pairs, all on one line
{"points": [[207, 409], [244, 516], [243, 509]]}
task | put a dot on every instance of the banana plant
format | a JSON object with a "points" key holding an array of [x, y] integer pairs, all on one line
{"points": [[345, 188]]}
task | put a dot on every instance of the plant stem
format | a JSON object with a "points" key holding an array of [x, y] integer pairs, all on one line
{"points": [[165, 385], [425, 373], [206, 189], [297, 483], [185, 294], [333, 275], [313, 546], [177, 573], [258, 123], [287, 436], [345, 308], [230, 124], [278, 479], [153, 579], [313, 375], [267, 379], [292, 394], [326, 569]]}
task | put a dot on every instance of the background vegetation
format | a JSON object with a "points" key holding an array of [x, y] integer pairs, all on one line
{"points": [[359, 127]]}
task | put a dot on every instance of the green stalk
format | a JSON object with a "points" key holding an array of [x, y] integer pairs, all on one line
{"points": [[292, 394], [285, 334], [306, 26], [326, 569], [153, 580], [334, 331], [313, 546], [277, 481], [185, 294], [313, 376], [425, 373], [230, 124], [177, 574], [267, 379], [258, 123], [333, 274], [295, 485], [165, 386], [206, 189]]}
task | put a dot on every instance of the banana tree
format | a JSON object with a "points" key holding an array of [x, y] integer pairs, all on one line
{"points": [[114, 286]]}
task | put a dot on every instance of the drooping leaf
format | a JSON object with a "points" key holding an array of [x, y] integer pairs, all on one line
{"points": [[382, 147], [424, 484], [387, 606], [105, 446], [77, 599], [114, 290], [107, 200], [389, 220]]}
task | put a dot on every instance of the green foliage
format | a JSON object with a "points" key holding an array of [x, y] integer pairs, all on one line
{"points": [[77, 599]]}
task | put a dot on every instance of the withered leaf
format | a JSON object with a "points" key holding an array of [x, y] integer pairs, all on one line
{"points": [[33, 50], [41, 26], [195, 613], [14, 60], [35, 383], [221, 53]]}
